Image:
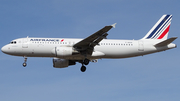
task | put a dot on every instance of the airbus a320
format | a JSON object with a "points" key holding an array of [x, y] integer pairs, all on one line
{"points": [[68, 51]]}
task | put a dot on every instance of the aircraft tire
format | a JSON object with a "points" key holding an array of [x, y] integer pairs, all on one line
{"points": [[83, 69], [86, 61], [24, 64]]}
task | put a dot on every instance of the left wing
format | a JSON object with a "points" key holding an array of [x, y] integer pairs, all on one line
{"points": [[86, 45]]}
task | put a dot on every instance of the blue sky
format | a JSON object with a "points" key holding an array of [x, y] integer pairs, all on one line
{"points": [[152, 77]]}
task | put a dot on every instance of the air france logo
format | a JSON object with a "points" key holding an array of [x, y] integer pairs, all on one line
{"points": [[62, 40], [54, 40]]}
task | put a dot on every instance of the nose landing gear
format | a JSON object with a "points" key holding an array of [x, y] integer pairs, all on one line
{"points": [[25, 60]]}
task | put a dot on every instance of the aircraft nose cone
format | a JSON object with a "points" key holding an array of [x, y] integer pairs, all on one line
{"points": [[4, 49]]}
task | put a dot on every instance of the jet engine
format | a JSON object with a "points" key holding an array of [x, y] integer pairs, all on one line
{"points": [[62, 63]]}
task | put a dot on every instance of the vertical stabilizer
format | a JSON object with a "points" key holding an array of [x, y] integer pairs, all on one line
{"points": [[161, 29]]}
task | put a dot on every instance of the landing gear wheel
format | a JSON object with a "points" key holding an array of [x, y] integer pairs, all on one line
{"points": [[24, 64], [86, 61], [83, 69], [25, 60]]}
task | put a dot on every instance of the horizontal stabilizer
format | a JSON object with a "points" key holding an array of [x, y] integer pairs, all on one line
{"points": [[166, 42]]}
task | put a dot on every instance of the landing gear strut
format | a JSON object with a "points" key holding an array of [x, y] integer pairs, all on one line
{"points": [[25, 60], [85, 62]]}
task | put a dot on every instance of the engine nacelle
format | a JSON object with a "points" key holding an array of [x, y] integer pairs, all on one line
{"points": [[62, 63]]}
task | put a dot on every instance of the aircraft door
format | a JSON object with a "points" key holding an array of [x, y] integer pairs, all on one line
{"points": [[141, 46], [25, 43]]}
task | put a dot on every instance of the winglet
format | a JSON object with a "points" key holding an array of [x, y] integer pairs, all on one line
{"points": [[114, 25]]}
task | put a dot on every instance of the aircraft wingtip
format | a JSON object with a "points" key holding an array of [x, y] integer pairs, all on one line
{"points": [[114, 25]]}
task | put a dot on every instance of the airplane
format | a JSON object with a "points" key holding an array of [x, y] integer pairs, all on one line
{"points": [[68, 51]]}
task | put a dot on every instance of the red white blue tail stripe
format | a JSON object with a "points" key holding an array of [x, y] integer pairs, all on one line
{"points": [[161, 29]]}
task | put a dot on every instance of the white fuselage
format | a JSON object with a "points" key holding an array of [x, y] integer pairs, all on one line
{"points": [[107, 48]]}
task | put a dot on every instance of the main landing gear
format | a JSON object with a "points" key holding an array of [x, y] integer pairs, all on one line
{"points": [[25, 60], [85, 62], [83, 68]]}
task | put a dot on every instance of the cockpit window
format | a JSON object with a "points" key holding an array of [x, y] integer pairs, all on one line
{"points": [[13, 42]]}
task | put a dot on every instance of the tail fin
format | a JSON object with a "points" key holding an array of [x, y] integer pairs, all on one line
{"points": [[161, 29]]}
